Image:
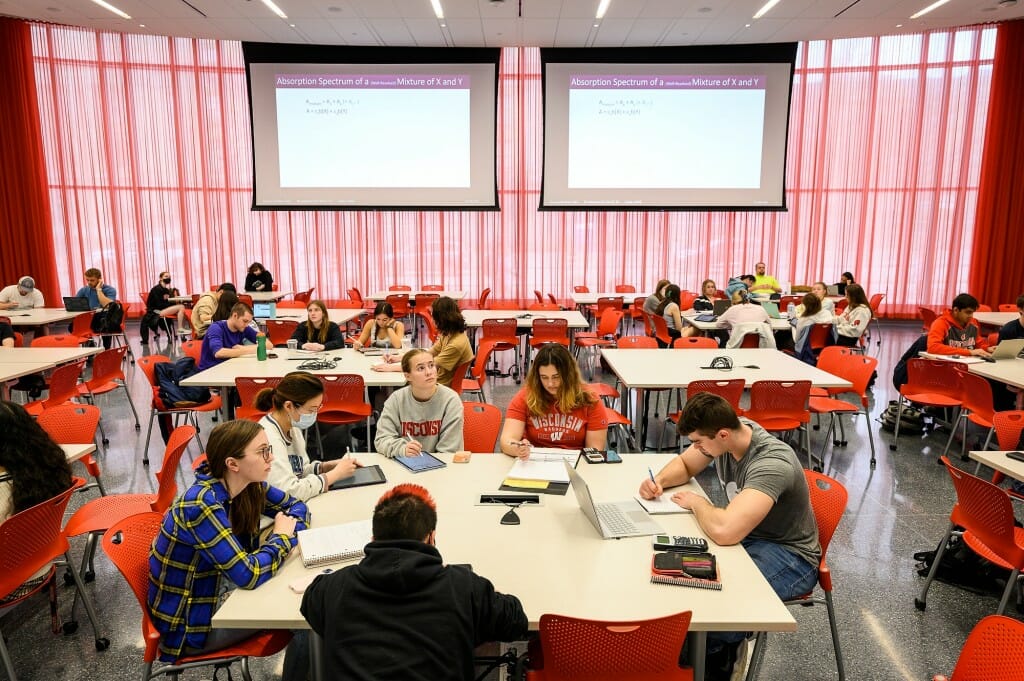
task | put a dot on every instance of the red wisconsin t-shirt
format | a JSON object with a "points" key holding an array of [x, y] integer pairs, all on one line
{"points": [[556, 429]]}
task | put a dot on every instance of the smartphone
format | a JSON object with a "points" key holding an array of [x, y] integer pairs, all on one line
{"points": [[1016, 456], [612, 456]]}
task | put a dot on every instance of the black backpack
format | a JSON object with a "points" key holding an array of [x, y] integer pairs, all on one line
{"points": [[168, 378], [108, 320], [899, 374]]}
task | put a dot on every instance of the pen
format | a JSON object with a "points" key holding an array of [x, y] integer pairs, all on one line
{"points": [[651, 473]]}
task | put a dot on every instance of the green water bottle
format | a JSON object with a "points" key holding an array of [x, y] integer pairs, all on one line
{"points": [[261, 346]]}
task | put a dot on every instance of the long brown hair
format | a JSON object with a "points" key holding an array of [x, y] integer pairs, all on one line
{"points": [[37, 465], [312, 333], [571, 393], [297, 387], [230, 439]]}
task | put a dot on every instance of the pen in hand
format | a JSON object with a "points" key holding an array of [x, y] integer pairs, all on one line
{"points": [[653, 481], [417, 449]]}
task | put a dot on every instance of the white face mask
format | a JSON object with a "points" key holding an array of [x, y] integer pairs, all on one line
{"points": [[305, 421]]}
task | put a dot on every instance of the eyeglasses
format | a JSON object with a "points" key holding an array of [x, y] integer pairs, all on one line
{"points": [[266, 453]]}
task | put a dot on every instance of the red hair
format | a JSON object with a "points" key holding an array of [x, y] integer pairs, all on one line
{"points": [[411, 490]]}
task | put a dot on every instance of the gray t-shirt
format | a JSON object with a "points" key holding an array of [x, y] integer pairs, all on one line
{"points": [[770, 466]]}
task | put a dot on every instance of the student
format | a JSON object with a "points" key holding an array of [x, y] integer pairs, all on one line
{"points": [[33, 467], [421, 417], [452, 348], [209, 541], [654, 300], [383, 331], [227, 300], [98, 293], [21, 296], [845, 279], [259, 279], [956, 333], [669, 310], [741, 315], [705, 302], [233, 337], [1014, 329], [854, 320], [292, 407], [6, 335], [1004, 398], [318, 332], [158, 301], [820, 291], [764, 284], [206, 307], [401, 612], [554, 408], [769, 511]]}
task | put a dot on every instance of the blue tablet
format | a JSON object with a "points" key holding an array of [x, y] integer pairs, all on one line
{"points": [[423, 462]]}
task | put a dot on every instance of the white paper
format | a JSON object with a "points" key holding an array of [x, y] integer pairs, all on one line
{"points": [[532, 469], [661, 506]]}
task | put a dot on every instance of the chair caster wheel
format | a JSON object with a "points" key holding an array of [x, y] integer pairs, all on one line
{"points": [[89, 576], [919, 604], [892, 448], [138, 428], [145, 462], [70, 627], [817, 469], [816, 427], [873, 463], [102, 644], [835, 443], [843, 442], [68, 579], [106, 442], [939, 461]]}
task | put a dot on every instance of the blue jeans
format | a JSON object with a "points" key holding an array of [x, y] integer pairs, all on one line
{"points": [[787, 573]]}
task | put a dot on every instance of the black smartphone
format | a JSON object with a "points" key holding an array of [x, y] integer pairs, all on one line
{"points": [[1016, 456], [612, 456]]}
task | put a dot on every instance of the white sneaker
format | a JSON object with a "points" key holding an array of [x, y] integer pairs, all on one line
{"points": [[739, 669]]}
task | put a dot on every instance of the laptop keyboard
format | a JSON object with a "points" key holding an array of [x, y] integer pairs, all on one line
{"points": [[614, 519]]}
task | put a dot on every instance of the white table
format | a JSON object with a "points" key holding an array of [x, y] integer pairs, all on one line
{"points": [[53, 356], [39, 316], [995, 318], [382, 295], [10, 371], [579, 299], [689, 316], [1008, 371], [350, 362], [76, 452], [554, 561], [257, 296], [1000, 462]]}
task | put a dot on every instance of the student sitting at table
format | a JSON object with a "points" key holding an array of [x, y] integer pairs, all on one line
{"points": [[820, 291], [231, 337], [746, 316], [421, 417], [654, 300], [554, 408], [854, 320], [811, 313], [205, 308], [158, 301], [955, 332], [402, 613], [452, 348], [259, 279], [845, 279], [669, 310], [21, 296], [292, 408], [768, 509], [705, 302], [210, 541], [1014, 329], [383, 331], [227, 300], [318, 332]]}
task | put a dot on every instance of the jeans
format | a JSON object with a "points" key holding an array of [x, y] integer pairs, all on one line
{"points": [[787, 573]]}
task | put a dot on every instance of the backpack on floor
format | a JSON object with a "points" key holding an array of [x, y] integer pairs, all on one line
{"points": [[912, 422], [108, 320], [962, 567]]}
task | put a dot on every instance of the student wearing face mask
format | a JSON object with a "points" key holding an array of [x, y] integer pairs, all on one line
{"points": [[159, 301], [292, 408]]}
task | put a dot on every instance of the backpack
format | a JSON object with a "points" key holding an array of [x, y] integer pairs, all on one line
{"points": [[149, 322], [168, 379], [912, 422], [899, 374], [962, 567], [108, 320]]}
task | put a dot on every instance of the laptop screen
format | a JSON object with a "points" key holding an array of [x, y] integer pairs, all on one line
{"points": [[721, 306], [263, 310]]}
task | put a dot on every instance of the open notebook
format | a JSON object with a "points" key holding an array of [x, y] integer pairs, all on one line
{"points": [[334, 543]]}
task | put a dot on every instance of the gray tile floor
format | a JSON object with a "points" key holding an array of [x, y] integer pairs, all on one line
{"points": [[900, 507]]}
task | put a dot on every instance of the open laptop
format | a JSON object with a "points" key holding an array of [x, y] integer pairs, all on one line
{"points": [[76, 304], [1008, 349], [264, 310], [720, 306], [833, 290], [612, 519], [772, 308]]}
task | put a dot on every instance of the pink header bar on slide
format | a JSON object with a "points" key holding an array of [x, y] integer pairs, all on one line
{"points": [[682, 82], [372, 81]]}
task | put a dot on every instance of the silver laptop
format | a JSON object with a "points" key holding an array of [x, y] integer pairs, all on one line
{"points": [[772, 309], [612, 519], [1008, 349], [832, 290], [264, 310]]}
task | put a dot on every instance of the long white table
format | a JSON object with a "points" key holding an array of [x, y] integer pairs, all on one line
{"points": [[53, 356], [579, 299], [382, 295], [554, 561], [524, 318], [349, 362], [1008, 371], [39, 316], [995, 318], [338, 315], [689, 316], [10, 371], [257, 296], [1000, 462]]}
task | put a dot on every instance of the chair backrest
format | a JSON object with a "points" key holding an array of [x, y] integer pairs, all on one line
{"points": [[428, 319], [550, 307], [550, 330], [148, 364], [1007, 307], [976, 395], [994, 650], [874, 302], [305, 296], [193, 348], [56, 341], [854, 367], [821, 336], [751, 340], [399, 303], [19, 339], [605, 302], [579, 649], [432, 287], [299, 305], [784, 301], [167, 485], [660, 328], [625, 288], [482, 426], [355, 295], [70, 424], [106, 367], [581, 289], [399, 287], [64, 383], [686, 299], [841, 305], [538, 295], [458, 375], [731, 390], [280, 330], [32, 538], [246, 298], [1008, 425], [609, 321], [982, 307], [684, 342], [933, 376], [783, 399], [636, 342], [481, 303], [503, 330], [928, 315], [985, 510], [81, 325], [828, 499], [343, 392], [554, 301], [248, 387]]}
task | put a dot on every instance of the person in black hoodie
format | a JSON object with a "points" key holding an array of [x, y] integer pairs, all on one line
{"points": [[401, 613], [259, 279]]}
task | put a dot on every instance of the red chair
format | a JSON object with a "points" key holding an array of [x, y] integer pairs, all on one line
{"points": [[928, 316], [547, 330], [1008, 307], [280, 330], [459, 377], [294, 305], [643, 343], [1008, 425], [474, 383], [81, 326], [731, 390], [399, 287], [625, 288], [57, 340], [661, 330], [994, 650], [985, 514], [975, 406], [539, 296], [400, 304], [482, 424], [481, 303], [355, 295], [305, 296], [432, 287], [820, 338], [94, 517], [246, 298], [574, 649], [344, 403], [19, 340], [554, 301], [874, 303], [30, 541], [158, 408], [499, 335], [617, 421], [193, 349], [605, 302], [120, 337], [782, 405], [542, 307], [63, 388], [828, 499], [984, 308], [581, 289], [857, 369], [127, 545], [108, 376], [606, 336], [247, 389], [75, 424], [930, 382], [427, 317], [784, 301], [694, 342], [686, 299]]}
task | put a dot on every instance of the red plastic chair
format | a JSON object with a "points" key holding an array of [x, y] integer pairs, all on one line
{"points": [[731, 390], [625, 288], [606, 336], [977, 407], [828, 499], [400, 304], [459, 376], [63, 388], [686, 299], [158, 408], [29, 541], [481, 303], [660, 330], [499, 335], [399, 287], [617, 421], [1008, 307], [543, 307], [549, 331], [127, 545], [355, 295], [344, 403], [539, 296], [427, 317], [857, 369], [984, 308], [820, 338], [193, 349], [247, 388], [874, 303], [474, 383], [305, 296], [581, 289], [94, 517], [280, 330], [432, 287], [81, 326], [930, 382], [57, 340], [19, 339], [751, 340], [246, 298], [928, 316], [75, 424], [604, 302], [994, 650], [694, 342], [1008, 426], [108, 376], [574, 649], [482, 425], [780, 406], [120, 337], [985, 513], [554, 301]]}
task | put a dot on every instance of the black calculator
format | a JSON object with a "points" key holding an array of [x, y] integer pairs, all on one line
{"points": [[664, 542]]}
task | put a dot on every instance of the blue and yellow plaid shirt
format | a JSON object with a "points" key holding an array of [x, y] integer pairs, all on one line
{"points": [[196, 547]]}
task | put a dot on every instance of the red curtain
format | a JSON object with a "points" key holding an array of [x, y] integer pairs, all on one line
{"points": [[26, 227], [147, 146], [997, 265]]}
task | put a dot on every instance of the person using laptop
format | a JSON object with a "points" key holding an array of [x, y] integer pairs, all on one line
{"points": [[554, 409], [811, 313], [820, 291], [768, 510], [402, 612], [318, 332], [853, 321], [743, 311], [206, 307], [21, 296], [845, 279], [705, 302], [291, 409], [98, 293], [764, 284], [383, 331], [1014, 329], [955, 332], [232, 337]]}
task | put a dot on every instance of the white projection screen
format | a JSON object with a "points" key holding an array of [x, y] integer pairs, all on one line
{"points": [[672, 128], [336, 127]]}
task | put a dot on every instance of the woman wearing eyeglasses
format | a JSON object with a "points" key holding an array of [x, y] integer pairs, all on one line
{"points": [[209, 541], [292, 408]]}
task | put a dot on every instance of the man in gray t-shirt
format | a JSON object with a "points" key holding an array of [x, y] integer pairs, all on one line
{"points": [[769, 509]]}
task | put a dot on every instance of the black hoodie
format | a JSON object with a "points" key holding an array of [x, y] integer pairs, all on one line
{"points": [[402, 614]]}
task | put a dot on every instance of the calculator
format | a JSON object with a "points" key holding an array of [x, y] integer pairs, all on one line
{"points": [[664, 542]]}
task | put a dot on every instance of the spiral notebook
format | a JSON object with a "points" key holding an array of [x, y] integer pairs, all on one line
{"points": [[334, 543], [702, 564]]}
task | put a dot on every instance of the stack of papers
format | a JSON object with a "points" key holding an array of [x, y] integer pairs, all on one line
{"points": [[544, 465]]}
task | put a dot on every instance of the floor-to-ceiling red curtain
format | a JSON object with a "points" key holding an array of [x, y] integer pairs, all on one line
{"points": [[147, 142], [997, 261], [26, 227]]}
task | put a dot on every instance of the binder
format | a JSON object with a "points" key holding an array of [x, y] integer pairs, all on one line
{"points": [[681, 578], [334, 543]]}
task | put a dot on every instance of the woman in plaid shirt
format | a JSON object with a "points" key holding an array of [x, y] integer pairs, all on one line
{"points": [[211, 533]]}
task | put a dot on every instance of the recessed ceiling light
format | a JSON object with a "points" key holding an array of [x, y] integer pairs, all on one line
{"points": [[438, 12], [929, 8], [292, 25], [764, 10], [602, 8], [899, 25], [110, 8], [704, 10], [444, 25], [747, 26], [596, 25], [333, 8], [272, 7], [142, 26]]}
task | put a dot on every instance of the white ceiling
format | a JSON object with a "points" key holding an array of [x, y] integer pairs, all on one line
{"points": [[544, 23]]}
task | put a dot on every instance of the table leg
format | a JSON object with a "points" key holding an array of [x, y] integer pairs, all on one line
{"points": [[316, 655], [699, 647]]}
